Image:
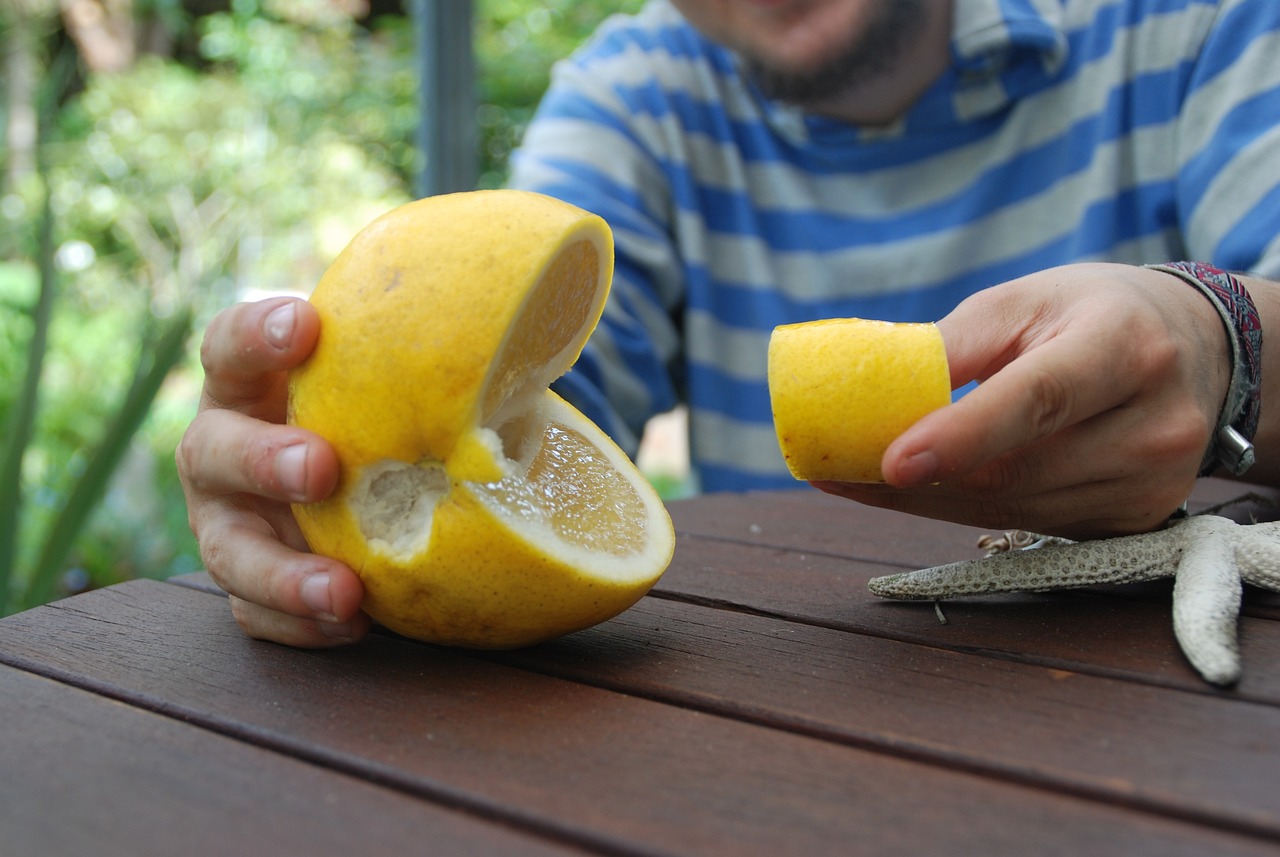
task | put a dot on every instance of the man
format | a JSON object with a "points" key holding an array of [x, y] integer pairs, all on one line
{"points": [[771, 161]]}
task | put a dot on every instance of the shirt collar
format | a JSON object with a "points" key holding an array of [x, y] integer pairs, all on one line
{"points": [[993, 35], [1001, 50]]}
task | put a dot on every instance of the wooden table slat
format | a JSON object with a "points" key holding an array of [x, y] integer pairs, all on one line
{"points": [[809, 521], [958, 706], [760, 701], [614, 770], [1078, 631], [1061, 730], [82, 771]]}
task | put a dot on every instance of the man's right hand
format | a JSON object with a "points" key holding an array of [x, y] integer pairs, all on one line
{"points": [[241, 467]]}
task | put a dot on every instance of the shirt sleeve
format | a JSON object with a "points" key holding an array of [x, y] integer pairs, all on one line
{"points": [[585, 147], [1228, 185]]}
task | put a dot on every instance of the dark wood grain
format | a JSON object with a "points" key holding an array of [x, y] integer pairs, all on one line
{"points": [[611, 770], [1205, 756], [1097, 632], [84, 774], [807, 557], [759, 702], [1078, 631], [808, 521]]}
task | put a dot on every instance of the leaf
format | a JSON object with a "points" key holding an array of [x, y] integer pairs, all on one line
{"points": [[23, 415], [153, 367]]}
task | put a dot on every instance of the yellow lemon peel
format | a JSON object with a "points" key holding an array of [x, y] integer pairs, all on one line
{"points": [[478, 508], [843, 389]]}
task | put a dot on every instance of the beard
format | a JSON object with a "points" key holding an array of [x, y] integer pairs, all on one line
{"points": [[869, 54]]}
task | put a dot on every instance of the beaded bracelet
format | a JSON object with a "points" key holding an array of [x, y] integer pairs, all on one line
{"points": [[1232, 443]]}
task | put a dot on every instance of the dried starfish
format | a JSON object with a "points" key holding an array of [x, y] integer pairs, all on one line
{"points": [[1208, 557]]}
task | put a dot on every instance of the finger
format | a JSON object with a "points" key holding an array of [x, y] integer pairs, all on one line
{"points": [[988, 330], [1057, 513], [226, 452], [263, 624], [248, 348], [1075, 485], [250, 563], [1057, 384]]}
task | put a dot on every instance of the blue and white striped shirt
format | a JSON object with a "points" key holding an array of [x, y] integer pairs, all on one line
{"points": [[1067, 130]]}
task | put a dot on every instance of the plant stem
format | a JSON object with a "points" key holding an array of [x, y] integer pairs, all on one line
{"points": [[23, 417], [157, 359]]}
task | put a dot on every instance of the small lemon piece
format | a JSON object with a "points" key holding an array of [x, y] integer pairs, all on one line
{"points": [[842, 389], [478, 508]]}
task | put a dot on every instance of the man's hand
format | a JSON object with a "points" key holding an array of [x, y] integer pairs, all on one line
{"points": [[1101, 387], [241, 467]]}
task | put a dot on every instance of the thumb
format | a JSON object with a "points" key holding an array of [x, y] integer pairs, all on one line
{"points": [[1036, 380]]}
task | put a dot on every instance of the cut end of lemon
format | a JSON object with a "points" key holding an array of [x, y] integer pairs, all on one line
{"points": [[843, 389], [479, 508]]}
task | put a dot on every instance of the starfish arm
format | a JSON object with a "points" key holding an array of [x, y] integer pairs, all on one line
{"points": [[1125, 559], [1206, 603], [1258, 555]]}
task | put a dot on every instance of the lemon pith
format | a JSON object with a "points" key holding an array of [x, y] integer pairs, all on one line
{"points": [[479, 508], [842, 390]]}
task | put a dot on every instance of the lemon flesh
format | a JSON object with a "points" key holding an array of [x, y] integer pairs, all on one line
{"points": [[465, 304], [478, 508], [567, 538], [842, 390]]}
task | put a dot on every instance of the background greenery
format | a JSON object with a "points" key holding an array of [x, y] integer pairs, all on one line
{"points": [[231, 153]]}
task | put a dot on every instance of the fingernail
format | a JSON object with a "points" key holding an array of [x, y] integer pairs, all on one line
{"points": [[291, 470], [918, 469], [278, 328], [335, 630], [315, 595]]}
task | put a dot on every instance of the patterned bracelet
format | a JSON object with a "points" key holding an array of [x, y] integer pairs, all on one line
{"points": [[1232, 443]]}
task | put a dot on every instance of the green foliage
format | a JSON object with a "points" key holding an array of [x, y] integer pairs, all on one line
{"points": [[516, 44], [324, 79], [176, 187], [271, 134], [41, 519]]}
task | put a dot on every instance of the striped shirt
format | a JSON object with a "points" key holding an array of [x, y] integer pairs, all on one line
{"points": [[1067, 130]]}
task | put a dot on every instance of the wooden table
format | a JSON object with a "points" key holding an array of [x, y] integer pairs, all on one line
{"points": [[760, 701]]}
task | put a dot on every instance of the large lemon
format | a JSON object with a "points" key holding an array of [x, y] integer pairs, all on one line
{"points": [[478, 507], [842, 390]]}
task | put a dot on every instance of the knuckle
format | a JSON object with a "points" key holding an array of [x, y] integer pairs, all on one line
{"points": [[192, 455], [1002, 476], [1158, 357], [1052, 401], [246, 615], [1178, 436], [211, 352], [208, 357], [990, 513], [184, 455], [212, 552], [193, 522]]}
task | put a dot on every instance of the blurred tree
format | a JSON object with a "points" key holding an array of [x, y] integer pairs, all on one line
{"points": [[211, 150], [516, 44]]}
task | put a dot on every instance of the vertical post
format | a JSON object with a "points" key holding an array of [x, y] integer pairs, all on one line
{"points": [[447, 100]]}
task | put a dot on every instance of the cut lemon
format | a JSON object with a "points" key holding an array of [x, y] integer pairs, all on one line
{"points": [[843, 389], [478, 507]]}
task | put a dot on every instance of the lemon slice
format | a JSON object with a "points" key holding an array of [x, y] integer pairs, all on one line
{"points": [[843, 389], [479, 508]]}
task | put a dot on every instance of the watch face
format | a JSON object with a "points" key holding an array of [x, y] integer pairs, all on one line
{"points": [[1234, 451]]}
